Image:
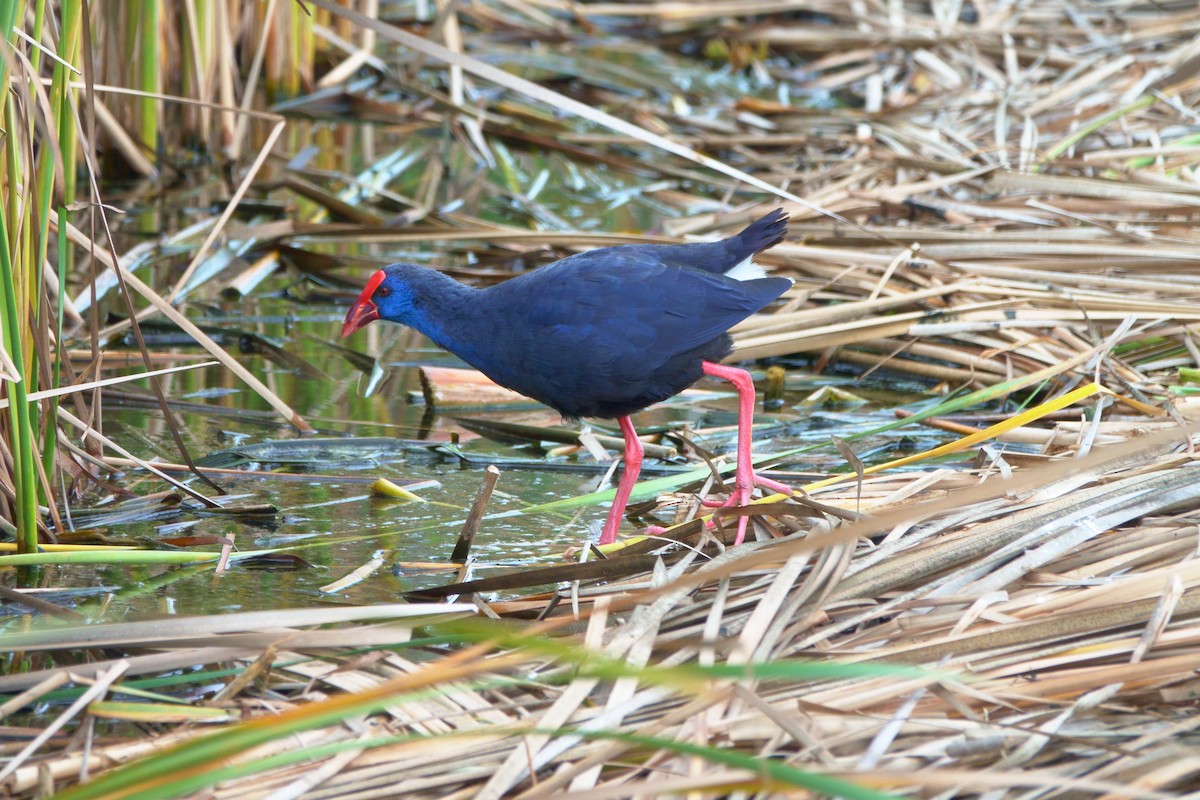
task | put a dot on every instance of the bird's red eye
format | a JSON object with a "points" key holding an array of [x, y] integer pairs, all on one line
{"points": [[384, 291]]}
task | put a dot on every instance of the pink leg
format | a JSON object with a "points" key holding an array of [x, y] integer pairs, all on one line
{"points": [[745, 479], [629, 476]]}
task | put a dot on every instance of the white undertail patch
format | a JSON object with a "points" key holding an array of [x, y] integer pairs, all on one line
{"points": [[746, 271]]}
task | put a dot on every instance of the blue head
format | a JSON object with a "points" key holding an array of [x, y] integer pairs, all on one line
{"points": [[403, 293]]}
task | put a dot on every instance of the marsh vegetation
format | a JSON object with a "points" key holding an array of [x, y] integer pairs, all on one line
{"points": [[981, 384]]}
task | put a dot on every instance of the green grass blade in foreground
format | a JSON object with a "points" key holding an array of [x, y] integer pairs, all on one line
{"points": [[778, 772], [163, 713], [773, 770], [192, 765], [167, 773], [141, 687], [588, 662], [121, 557], [1077, 134], [645, 490]]}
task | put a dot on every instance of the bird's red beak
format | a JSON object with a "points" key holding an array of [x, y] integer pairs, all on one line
{"points": [[363, 310]]}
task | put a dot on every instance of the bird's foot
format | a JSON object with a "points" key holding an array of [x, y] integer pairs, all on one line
{"points": [[740, 497], [743, 491]]}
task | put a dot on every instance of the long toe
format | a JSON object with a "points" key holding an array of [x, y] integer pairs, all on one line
{"points": [[773, 486], [741, 496], [738, 498], [743, 524]]}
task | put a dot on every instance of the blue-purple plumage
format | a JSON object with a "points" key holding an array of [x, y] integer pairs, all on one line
{"points": [[599, 334]]}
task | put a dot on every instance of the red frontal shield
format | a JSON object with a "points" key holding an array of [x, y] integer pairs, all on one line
{"points": [[363, 310]]}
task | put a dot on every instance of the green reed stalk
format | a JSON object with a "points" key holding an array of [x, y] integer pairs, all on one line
{"points": [[50, 445], [65, 125], [39, 24], [308, 43], [190, 82], [45, 194], [148, 73], [299, 62], [15, 291]]}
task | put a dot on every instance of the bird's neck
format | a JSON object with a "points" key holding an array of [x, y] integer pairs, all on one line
{"points": [[449, 313]]}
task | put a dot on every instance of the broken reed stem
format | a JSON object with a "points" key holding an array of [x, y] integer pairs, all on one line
{"points": [[463, 546]]}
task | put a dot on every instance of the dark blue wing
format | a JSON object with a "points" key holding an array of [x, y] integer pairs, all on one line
{"points": [[629, 304]]}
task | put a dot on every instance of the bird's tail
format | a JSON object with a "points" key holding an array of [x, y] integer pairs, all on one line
{"points": [[756, 237], [763, 233]]}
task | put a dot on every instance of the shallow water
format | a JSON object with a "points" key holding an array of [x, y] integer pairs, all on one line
{"points": [[332, 522], [326, 514]]}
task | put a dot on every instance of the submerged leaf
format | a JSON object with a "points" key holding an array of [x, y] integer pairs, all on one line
{"points": [[311, 451]]}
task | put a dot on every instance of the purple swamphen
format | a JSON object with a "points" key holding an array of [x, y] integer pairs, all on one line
{"points": [[603, 333]]}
